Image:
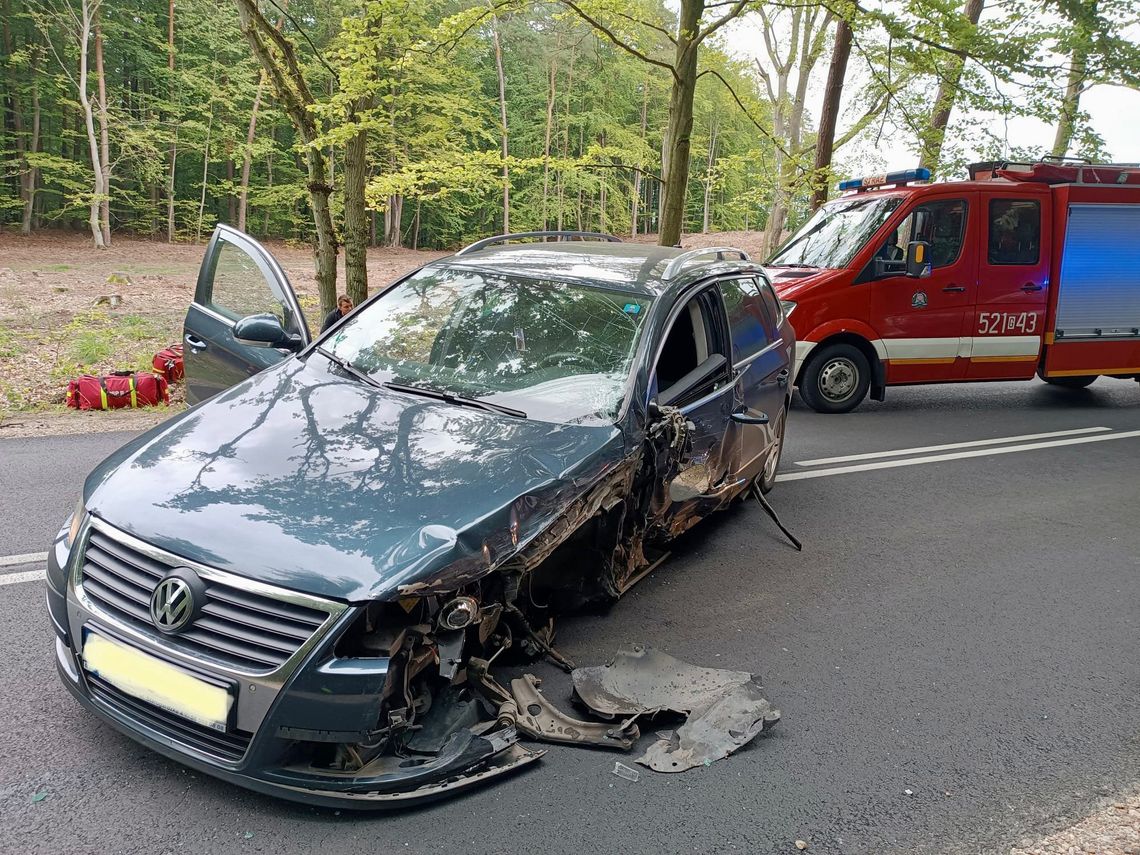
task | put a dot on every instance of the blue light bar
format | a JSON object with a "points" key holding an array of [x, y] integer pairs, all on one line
{"points": [[903, 176]]}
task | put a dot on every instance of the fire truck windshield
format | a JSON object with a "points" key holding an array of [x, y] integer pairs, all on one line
{"points": [[836, 232]]}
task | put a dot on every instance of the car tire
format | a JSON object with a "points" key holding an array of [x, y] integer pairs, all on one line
{"points": [[836, 379], [766, 480], [1071, 382]]}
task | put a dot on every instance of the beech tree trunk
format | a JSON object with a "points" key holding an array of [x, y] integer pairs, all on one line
{"points": [[829, 114], [247, 157], [86, 9], [356, 217], [503, 126], [284, 71], [944, 101], [104, 141], [1071, 102], [635, 200], [546, 146], [174, 138], [679, 128]]}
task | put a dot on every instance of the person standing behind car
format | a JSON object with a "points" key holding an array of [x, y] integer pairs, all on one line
{"points": [[343, 307]]}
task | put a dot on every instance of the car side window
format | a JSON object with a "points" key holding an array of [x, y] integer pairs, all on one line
{"points": [[940, 223], [772, 304], [239, 288], [1014, 231], [697, 332], [746, 317]]}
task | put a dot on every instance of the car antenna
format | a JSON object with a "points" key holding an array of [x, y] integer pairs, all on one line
{"points": [[755, 491]]}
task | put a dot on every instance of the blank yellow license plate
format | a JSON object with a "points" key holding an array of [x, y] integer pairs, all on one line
{"points": [[156, 682]]}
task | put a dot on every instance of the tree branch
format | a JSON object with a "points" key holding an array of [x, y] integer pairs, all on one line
{"points": [[735, 12], [609, 34]]}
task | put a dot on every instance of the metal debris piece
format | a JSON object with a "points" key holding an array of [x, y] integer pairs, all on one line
{"points": [[756, 493], [623, 771], [732, 720], [641, 679], [538, 718]]}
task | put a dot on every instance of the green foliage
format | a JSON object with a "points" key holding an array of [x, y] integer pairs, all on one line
{"points": [[420, 78]]}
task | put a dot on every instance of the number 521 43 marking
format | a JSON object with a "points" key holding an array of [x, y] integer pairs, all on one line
{"points": [[1001, 323]]}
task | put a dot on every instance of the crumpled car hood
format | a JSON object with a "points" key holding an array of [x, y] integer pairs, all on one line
{"points": [[305, 478]]}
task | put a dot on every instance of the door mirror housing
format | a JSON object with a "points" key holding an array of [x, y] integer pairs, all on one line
{"points": [[918, 259], [693, 380], [265, 330]]}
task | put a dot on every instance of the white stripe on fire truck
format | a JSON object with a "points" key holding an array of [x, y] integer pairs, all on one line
{"points": [[961, 347]]}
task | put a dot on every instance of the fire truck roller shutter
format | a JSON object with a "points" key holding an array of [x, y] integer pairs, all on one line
{"points": [[1099, 284], [1097, 328]]}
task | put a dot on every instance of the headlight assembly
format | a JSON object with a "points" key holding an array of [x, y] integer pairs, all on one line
{"points": [[76, 521]]}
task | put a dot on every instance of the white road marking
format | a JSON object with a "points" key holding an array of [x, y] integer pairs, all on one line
{"points": [[900, 452], [939, 458], [26, 558], [29, 576]]}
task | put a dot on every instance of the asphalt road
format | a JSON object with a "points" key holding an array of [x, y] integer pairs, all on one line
{"points": [[954, 654]]}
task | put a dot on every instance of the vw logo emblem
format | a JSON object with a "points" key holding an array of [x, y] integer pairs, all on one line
{"points": [[172, 604]]}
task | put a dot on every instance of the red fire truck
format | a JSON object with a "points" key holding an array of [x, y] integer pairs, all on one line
{"points": [[1025, 269]]}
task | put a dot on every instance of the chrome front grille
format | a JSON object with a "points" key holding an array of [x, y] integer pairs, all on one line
{"points": [[245, 630]]}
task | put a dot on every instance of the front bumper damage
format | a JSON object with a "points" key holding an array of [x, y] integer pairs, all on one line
{"points": [[383, 705], [279, 722]]}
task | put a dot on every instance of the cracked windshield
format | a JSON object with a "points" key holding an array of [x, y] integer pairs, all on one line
{"points": [[559, 352], [831, 238]]}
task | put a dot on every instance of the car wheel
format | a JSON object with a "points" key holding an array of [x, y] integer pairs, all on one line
{"points": [[766, 480], [1071, 382], [836, 379]]}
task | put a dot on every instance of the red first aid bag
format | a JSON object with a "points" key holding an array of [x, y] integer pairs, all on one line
{"points": [[117, 390], [168, 363]]}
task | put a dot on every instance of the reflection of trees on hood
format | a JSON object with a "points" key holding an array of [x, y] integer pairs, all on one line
{"points": [[332, 462]]}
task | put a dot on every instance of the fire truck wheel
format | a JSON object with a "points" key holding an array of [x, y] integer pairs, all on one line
{"points": [[836, 379], [1072, 382]]}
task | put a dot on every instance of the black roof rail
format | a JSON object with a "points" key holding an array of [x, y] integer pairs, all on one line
{"points": [[491, 241]]}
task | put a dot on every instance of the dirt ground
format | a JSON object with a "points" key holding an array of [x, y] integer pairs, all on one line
{"points": [[67, 309]]}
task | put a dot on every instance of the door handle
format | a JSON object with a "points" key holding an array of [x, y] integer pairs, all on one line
{"points": [[782, 378], [742, 416], [955, 289], [1030, 287], [195, 342]]}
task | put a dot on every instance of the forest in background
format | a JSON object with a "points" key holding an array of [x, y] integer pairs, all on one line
{"points": [[426, 124]]}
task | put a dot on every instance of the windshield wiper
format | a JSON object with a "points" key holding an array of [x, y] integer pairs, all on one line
{"points": [[347, 367], [440, 395], [788, 264]]}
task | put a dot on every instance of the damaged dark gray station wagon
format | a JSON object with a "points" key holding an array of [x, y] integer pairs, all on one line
{"points": [[297, 585]]}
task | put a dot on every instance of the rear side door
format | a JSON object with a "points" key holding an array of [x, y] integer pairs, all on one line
{"points": [[922, 321], [238, 278], [760, 361], [1013, 284]]}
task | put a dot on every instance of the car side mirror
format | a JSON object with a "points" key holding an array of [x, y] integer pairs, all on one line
{"points": [[918, 259], [264, 330], [882, 267], [693, 380]]}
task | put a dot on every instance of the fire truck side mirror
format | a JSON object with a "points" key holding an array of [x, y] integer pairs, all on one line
{"points": [[918, 259]]}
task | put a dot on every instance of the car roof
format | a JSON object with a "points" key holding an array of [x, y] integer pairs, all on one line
{"points": [[638, 268]]}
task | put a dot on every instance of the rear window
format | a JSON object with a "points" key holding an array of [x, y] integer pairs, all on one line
{"points": [[1015, 231]]}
